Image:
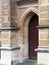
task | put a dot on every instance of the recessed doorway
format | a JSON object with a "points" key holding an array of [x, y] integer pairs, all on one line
{"points": [[33, 37]]}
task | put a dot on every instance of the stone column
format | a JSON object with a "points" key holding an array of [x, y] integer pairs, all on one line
{"points": [[0, 24], [5, 35], [14, 34], [9, 49], [43, 49]]}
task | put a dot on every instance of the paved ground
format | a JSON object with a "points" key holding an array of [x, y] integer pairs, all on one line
{"points": [[27, 63]]}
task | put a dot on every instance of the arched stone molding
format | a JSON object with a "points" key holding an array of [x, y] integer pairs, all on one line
{"points": [[24, 21], [24, 14]]}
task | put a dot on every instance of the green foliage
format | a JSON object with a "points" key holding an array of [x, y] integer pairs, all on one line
{"points": [[48, 37], [0, 43], [39, 64]]}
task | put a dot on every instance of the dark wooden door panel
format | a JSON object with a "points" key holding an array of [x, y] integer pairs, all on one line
{"points": [[33, 37]]}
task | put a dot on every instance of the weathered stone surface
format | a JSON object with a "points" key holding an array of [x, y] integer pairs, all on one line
{"points": [[6, 24], [44, 15], [43, 30], [44, 43], [44, 8], [6, 35], [44, 35], [10, 15], [44, 21], [43, 2]]}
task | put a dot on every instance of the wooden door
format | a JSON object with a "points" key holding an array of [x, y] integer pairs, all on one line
{"points": [[33, 37]]}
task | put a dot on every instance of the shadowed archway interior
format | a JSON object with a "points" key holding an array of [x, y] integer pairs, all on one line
{"points": [[33, 37]]}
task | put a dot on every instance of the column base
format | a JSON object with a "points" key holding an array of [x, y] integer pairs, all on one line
{"points": [[4, 62], [9, 55], [23, 60], [43, 55]]}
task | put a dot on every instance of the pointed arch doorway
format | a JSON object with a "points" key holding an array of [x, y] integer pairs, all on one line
{"points": [[29, 33], [33, 37]]}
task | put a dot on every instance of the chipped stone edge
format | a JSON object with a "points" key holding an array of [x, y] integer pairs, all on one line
{"points": [[8, 28], [9, 48], [42, 49]]}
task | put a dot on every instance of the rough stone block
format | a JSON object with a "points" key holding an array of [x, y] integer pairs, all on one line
{"points": [[44, 22], [43, 8], [43, 30], [5, 43], [44, 15], [5, 24], [44, 35], [44, 43]]}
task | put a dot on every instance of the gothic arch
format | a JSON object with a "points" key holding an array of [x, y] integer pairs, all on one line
{"points": [[24, 14], [24, 20]]}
